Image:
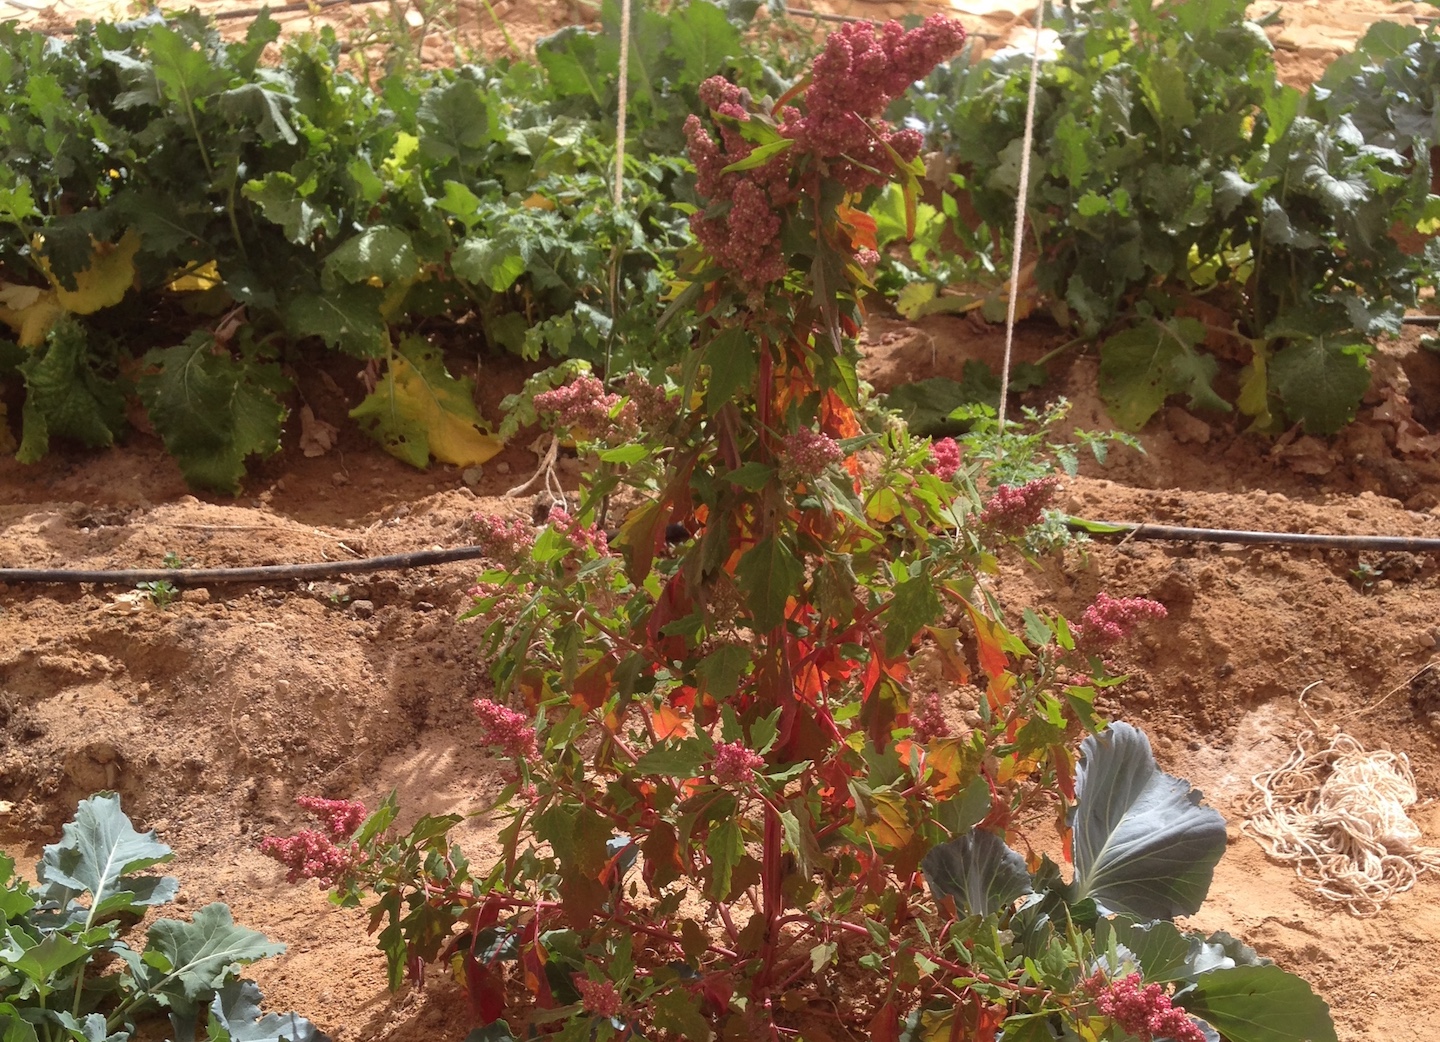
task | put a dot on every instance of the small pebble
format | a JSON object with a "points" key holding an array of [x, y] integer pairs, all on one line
{"points": [[363, 609], [504, 468], [472, 475], [340, 478]]}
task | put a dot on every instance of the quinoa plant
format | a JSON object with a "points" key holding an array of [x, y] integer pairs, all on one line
{"points": [[729, 682]]}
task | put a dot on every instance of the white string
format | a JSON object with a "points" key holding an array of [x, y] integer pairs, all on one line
{"points": [[1020, 201], [624, 101]]}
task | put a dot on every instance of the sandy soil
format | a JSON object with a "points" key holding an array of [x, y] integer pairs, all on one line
{"points": [[209, 717]]}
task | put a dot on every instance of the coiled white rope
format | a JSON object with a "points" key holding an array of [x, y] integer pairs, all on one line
{"points": [[1339, 815]]}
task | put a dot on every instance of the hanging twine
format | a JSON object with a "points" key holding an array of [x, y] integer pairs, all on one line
{"points": [[1021, 197], [624, 102], [1340, 816]]}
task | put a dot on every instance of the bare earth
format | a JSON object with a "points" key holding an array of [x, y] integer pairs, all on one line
{"points": [[211, 716]]}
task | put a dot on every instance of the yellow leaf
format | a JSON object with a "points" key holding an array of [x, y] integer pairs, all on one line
{"points": [[205, 277], [30, 311], [539, 202], [418, 410], [107, 279]]}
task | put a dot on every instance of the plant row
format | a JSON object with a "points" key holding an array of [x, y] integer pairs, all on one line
{"points": [[181, 217], [1224, 236]]}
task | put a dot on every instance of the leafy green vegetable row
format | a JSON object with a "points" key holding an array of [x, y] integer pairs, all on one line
{"points": [[156, 181], [1190, 209]]}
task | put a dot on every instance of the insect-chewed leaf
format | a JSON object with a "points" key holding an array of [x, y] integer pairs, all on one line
{"points": [[419, 410], [1143, 366], [1143, 844], [213, 410], [104, 282], [1321, 380], [65, 396]]}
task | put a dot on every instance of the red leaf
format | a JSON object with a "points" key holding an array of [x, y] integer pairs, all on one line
{"points": [[484, 991], [885, 1025]]}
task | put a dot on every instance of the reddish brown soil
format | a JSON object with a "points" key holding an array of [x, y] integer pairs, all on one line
{"points": [[209, 717]]}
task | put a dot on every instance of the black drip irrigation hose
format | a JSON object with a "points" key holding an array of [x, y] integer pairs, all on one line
{"points": [[421, 558]]}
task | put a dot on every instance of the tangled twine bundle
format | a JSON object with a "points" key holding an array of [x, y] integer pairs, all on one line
{"points": [[1339, 814]]}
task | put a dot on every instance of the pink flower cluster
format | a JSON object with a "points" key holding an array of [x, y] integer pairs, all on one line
{"points": [[862, 68], [1111, 619], [581, 537], [1014, 508], [312, 855], [506, 542], [340, 817], [505, 729], [584, 405], [807, 453], [654, 408], [944, 458], [927, 717], [1143, 1010], [735, 763], [598, 996]]}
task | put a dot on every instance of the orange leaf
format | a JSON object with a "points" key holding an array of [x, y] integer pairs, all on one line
{"points": [[989, 634], [859, 225], [594, 683], [665, 722]]}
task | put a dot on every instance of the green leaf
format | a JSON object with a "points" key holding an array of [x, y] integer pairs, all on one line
{"points": [[759, 156], [15, 898], [769, 573], [235, 1016], [1164, 953], [266, 108], [1143, 845], [1321, 381], [98, 854], [914, 606], [455, 121], [65, 396], [1144, 365], [187, 963], [13, 1027], [574, 65], [963, 812], [753, 475], [278, 196], [732, 361], [213, 410], [703, 39], [979, 871], [678, 1012], [185, 73], [676, 759], [41, 962], [1260, 1004], [419, 410], [488, 262], [347, 318], [384, 253], [725, 846]]}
